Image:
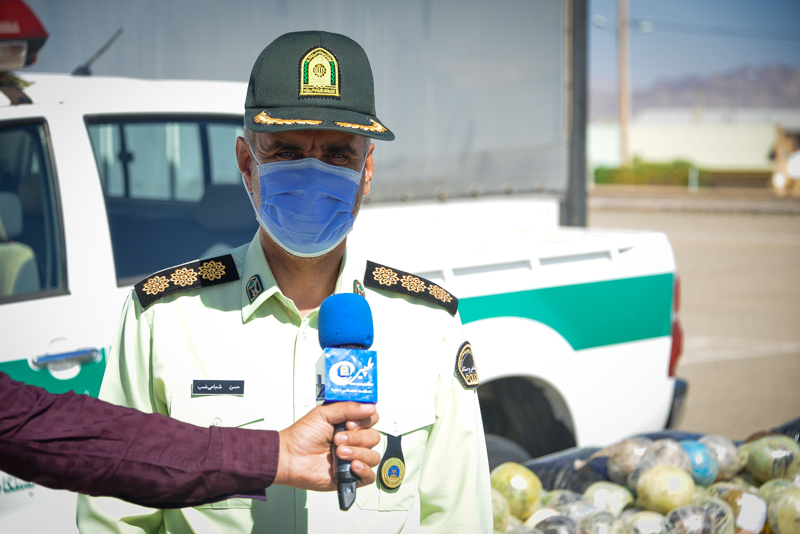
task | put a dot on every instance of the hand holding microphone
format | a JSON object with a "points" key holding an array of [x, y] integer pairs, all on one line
{"points": [[347, 371], [306, 458]]}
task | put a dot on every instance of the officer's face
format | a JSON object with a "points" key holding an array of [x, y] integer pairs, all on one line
{"points": [[334, 148]]}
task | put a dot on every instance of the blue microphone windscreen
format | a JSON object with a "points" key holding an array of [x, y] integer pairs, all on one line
{"points": [[345, 319]]}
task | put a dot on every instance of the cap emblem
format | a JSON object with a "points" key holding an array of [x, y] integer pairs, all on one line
{"points": [[266, 118], [376, 126], [319, 74]]}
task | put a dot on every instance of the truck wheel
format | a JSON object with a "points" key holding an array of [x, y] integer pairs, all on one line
{"points": [[515, 409], [501, 450]]}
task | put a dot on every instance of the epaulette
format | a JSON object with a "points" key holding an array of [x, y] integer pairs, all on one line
{"points": [[200, 273], [381, 277]]}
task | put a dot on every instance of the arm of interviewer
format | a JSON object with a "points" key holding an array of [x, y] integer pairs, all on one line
{"points": [[83, 444]]}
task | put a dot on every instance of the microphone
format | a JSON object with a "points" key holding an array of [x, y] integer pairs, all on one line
{"points": [[346, 371]]}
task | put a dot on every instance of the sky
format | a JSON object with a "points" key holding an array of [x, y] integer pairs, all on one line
{"points": [[663, 54]]}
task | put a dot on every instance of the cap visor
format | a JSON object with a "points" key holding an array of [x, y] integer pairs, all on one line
{"points": [[269, 120]]}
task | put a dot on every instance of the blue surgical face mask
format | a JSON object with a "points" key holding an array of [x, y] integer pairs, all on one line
{"points": [[306, 205]]}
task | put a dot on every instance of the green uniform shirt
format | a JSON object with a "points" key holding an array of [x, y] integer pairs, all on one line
{"points": [[216, 333]]}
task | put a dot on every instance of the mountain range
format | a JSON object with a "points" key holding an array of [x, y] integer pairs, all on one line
{"points": [[773, 86]]}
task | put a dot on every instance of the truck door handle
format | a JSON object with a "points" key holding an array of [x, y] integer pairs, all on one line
{"points": [[67, 359]]}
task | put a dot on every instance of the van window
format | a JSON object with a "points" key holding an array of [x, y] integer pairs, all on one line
{"points": [[31, 241], [172, 188]]}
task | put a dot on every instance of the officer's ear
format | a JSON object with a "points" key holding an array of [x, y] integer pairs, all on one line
{"points": [[369, 168], [244, 161]]}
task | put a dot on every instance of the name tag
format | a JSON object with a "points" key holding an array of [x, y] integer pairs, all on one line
{"points": [[217, 387]]}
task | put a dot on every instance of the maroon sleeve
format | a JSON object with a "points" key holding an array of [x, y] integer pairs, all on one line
{"points": [[86, 445]]}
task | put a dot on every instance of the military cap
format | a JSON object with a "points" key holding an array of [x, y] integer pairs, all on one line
{"points": [[313, 80]]}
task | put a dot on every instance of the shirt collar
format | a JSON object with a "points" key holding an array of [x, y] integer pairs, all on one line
{"points": [[256, 273]]}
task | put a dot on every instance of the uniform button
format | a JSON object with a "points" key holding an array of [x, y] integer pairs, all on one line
{"points": [[394, 426], [304, 336], [306, 402], [217, 421]]}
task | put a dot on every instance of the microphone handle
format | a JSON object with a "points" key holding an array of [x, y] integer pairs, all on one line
{"points": [[346, 481]]}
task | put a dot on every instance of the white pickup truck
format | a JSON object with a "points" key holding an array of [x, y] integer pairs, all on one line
{"points": [[105, 180]]}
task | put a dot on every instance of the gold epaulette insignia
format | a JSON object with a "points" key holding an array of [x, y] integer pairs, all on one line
{"points": [[201, 273], [382, 277]]}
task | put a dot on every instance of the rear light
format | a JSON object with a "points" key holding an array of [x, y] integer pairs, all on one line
{"points": [[677, 330], [21, 35]]}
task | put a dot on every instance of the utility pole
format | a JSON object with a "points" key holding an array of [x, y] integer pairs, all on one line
{"points": [[624, 81]]}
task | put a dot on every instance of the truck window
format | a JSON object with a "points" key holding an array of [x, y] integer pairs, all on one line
{"points": [[31, 244], [172, 189]]}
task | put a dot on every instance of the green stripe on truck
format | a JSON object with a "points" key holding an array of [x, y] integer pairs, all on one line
{"points": [[87, 382], [587, 315]]}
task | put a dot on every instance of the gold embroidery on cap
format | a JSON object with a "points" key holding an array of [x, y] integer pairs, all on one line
{"points": [[319, 74], [184, 277], [156, 285], [384, 276], [376, 126], [412, 283], [212, 270], [439, 293], [266, 118]]}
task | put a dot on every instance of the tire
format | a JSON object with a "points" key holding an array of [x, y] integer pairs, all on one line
{"points": [[515, 409], [501, 450]]}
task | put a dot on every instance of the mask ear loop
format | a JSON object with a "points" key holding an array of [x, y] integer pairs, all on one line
{"points": [[244, 181]]}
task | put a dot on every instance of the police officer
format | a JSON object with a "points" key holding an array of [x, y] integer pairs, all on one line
{"points": [[246, 321]]}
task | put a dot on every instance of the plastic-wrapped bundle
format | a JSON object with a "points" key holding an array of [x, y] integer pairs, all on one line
{"points": [[661, 452], [749, 510], [725, 452], [783, 515], [664, 488], [704, 463], [746, 482], [720, 512], [771, 487], [558, 524], [540, 515], [500, 510], [577, 510], [600, 522], [690, 519], [522, 529], [558, 471], [609, 496], [773, 457], [647, 523], [520, 486], [556, 498], [624, 458]]}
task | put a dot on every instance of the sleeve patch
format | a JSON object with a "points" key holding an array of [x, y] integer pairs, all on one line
{"points": [[382, 277], [466, 370], [202, 273]]}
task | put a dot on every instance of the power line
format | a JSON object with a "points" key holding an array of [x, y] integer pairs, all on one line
{"points": [[714, 30]]}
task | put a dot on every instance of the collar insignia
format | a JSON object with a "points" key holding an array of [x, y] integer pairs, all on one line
{"points": [[254, 287], [466, 371], [192, 275], [381, 277], [358, 289], [319, 74]]}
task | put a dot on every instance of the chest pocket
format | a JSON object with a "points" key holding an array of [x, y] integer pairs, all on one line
{"points": [[411, 420], [217, 410]]}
